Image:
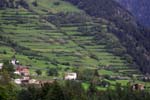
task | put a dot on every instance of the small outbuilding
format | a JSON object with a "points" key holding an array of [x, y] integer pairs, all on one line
{"points": [[1, 65], [138, 87], [71, 76]]}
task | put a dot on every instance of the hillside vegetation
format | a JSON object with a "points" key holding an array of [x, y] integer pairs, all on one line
{"points": [[99, 41], [45, 34], [132, 36]]}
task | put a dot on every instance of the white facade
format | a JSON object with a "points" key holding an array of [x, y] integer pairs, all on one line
{"points": [[71, 76], [33, 81], [14, 61], [17, 81], [1, 65], [26, 78], [17, 72]]}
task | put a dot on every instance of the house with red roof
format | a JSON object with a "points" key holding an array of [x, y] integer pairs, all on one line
{"points": [[24, 71]]}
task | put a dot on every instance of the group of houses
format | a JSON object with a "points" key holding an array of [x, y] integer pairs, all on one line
{"points": [[25, 78], [24, 74], [22, 71]]}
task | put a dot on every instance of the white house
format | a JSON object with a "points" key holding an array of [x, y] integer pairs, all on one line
{"points": [[18, 81], [17, 73], [71, 76], [33, 81], [14, 61], [1, 65]]}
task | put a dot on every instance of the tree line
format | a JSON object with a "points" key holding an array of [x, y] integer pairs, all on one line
{"points": [[72, 90], [63, 90]]}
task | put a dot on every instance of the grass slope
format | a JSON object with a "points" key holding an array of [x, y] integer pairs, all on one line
{"points": [[48, 45]]}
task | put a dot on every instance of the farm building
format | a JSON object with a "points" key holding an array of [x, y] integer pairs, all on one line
{"points": [[14, 62], [22, 71], [138, 87], [71, 76], [1, 65]]}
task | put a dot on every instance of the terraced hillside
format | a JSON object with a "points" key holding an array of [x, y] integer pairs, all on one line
{"points": [[132, 36], [60, 38]]}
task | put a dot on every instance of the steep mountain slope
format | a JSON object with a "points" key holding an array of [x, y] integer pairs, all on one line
{"points": [[54, 33], [13, 3], [129, 33], [71, 27], [139, 8]]}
